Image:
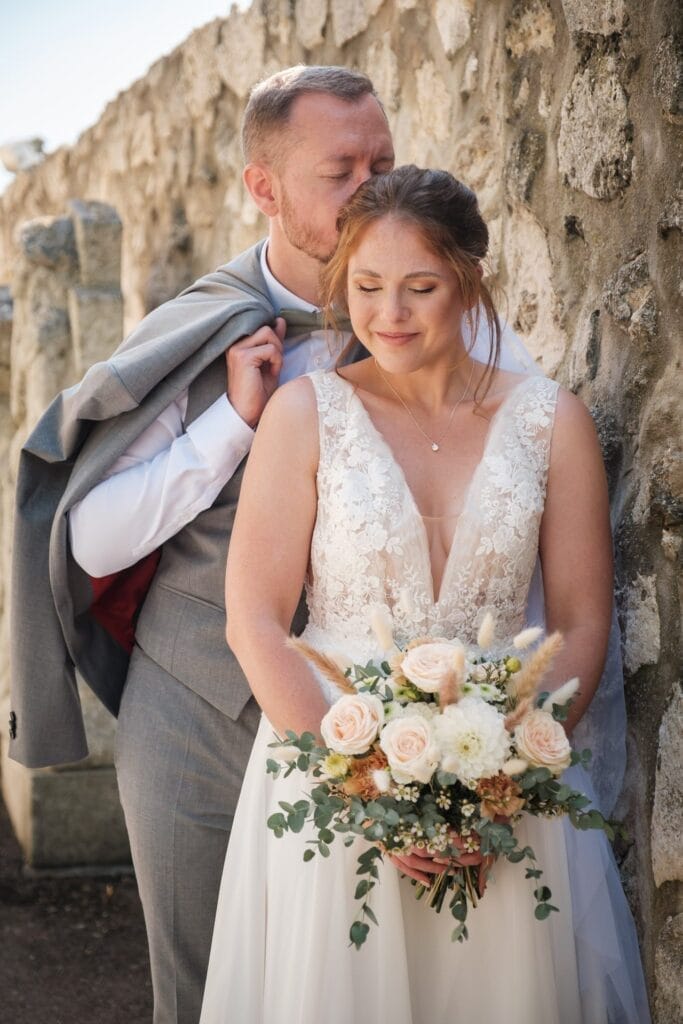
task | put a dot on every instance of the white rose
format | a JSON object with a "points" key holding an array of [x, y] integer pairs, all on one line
{"points": [[543, 742], [408, 742], [429, 665], [473, 740], [352, 723]]}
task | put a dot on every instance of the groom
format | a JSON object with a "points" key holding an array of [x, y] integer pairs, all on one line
{"points": [[146, 455]]}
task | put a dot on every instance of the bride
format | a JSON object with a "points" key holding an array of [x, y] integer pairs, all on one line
{"points": [[439, 486]]}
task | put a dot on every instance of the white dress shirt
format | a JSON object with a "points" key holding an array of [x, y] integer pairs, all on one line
{"points": [[171, 472]]}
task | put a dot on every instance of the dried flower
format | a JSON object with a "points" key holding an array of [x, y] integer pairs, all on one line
{"points": [[487, 631], [361, 778], [561, 695], [499, 795], [382, 626], [527, 637]]}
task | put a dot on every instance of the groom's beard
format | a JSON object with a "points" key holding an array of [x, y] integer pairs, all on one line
{"points": [[302, 236]]}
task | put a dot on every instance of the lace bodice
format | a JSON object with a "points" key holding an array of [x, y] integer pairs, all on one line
{"points": [[369, 542]]}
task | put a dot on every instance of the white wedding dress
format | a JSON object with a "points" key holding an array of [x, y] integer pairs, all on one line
{"points": [[281, 952]]}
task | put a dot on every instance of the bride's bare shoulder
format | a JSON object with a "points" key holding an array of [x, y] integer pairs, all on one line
{"points": [[289, 420]]}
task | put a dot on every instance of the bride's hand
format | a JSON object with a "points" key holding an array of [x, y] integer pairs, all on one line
{"points": [[423, 866]]}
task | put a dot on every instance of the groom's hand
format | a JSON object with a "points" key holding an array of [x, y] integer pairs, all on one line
{"points": [[254, 365]]}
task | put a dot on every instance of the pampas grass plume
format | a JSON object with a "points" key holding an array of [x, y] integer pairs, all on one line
{"points": [[527, 637], [325, 665], [487, 632], [527, 681], [562, 694], [382, 626]]}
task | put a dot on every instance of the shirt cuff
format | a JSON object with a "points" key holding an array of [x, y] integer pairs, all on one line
{"points": [[221, 437]]}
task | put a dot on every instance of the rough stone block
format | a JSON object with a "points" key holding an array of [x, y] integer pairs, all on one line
{"points": [[602, 18], [641, 636], [310, 17], [594, 144], [96, 316], [667, 814], [98, 230], [454, 21], [671, 218], [6, 314], [77, 819], [668, 76], [351, 17], [530, 29], [629, 296], [669, 972], [434, 102], [525, 160], [383, 68], [49, 242], [65, 818], [239, 54]]}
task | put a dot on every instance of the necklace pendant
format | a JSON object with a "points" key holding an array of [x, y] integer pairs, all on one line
{"points": [[435, 446]]}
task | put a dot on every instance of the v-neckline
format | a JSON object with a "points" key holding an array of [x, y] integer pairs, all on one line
{"points": [[435, 601]]}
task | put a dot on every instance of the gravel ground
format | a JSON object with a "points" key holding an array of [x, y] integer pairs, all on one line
{"points": [[72, 948]]}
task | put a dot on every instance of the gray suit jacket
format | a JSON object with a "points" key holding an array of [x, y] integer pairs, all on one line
{"points": [[54, 630]]}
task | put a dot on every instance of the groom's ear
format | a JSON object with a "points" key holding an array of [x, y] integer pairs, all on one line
{"points": [[258, 179]]}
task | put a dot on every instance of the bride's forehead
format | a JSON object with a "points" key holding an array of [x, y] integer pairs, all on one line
{"points": [[393, 241]]}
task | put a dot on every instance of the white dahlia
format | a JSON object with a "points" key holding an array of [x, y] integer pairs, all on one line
{"points": [[472, 738]]}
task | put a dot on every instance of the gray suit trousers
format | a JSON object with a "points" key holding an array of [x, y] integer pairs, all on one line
{"points": [[180, 764]]}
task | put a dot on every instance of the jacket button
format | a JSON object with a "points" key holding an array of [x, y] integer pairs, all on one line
{"points": [[12, 725]]}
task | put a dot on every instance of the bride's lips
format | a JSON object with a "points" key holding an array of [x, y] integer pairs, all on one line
{"points": [[395, 337]]}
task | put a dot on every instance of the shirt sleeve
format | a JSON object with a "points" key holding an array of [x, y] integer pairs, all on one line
{"points": [[162, 482]]}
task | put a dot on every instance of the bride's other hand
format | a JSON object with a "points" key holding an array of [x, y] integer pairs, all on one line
{"points": [[417, 864]]}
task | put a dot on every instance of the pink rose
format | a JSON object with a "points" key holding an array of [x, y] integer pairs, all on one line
{"points": [[409, 744], [352, 723], [542, 742]]}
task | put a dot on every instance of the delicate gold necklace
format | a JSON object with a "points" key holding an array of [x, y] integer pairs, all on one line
{"points": [[434, 444]]}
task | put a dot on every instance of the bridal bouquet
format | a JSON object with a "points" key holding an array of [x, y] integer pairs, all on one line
{"points": [[441, 748]]}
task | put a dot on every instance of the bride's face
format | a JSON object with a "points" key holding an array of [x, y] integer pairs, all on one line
{"points": [[404, 301]]}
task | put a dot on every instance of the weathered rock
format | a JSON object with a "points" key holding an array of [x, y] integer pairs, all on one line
{"points": [[667, 814], [668, 76], [49, 242], [239, 55], [202, 82], [470, 76], [310, 17], [6, 315], [671, 218], [22, 155], [602, 18], [641, 636], [531, 28], [96, 319], [594, 144], [454, 21], [98, 231], [668, 993], [385, 71], [434, 101], [525, 160], [629, 297], [351, 17]]}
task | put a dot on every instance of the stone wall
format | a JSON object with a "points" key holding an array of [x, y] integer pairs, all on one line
{"points": [[564, 116], [67, 312]]}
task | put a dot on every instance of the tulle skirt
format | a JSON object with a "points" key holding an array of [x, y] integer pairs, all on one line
{"points": [[281, 952]]}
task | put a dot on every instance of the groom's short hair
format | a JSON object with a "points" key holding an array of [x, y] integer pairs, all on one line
{"points": [[270, 103]]}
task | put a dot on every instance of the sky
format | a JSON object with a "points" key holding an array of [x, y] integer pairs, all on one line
{"points": [[61, 61]]}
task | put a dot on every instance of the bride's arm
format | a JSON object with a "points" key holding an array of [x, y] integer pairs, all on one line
{"points": [[576, 552], [268, 558]]}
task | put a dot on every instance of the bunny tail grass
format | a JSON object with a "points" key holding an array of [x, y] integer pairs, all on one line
{"points": [[527, 682], [324, 664]]}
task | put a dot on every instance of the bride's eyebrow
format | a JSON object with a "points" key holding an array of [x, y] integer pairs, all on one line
{"points": [[361, 271]]}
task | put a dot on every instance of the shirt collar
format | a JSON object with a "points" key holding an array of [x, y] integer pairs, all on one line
{"points": [[280, 296]]}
